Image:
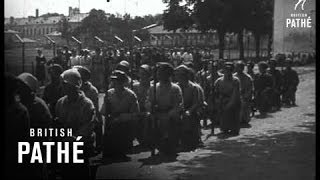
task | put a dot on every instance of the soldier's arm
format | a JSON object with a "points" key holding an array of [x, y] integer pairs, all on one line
{"points": [[195, 100], [95, 101], [46, 117], [177, 101], [296, 78], [58, 121], [249, 89], [88, 118], [235, 94], [149, 99], [133, 111]]}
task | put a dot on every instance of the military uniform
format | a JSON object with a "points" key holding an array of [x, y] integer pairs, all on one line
{"points": [[86, 60], [77, 113], [54, 90], [98, 71], [118, 139], [122, 105], [246, 89], [169, 103], [143, 125], [263, 91], [190, 122], [290, 84], [228, 93], [277, 85], [212, 98]]}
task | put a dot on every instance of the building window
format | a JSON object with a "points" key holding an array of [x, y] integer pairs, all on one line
{"points": [[47, 30], [39, 31], [43, 31], [51, 30]]}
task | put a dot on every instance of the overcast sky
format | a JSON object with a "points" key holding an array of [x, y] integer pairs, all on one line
{"points": [[25, 8]]}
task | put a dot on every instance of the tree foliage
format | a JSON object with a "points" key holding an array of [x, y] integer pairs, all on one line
{"points": [[106, 27], [176, 16], [223, 16]]}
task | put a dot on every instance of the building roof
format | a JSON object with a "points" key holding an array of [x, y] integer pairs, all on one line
{"points": [[160, 30], [11, 32], [45, 20], [54, 33], [27, 40], [33, 20], [77, 17]]}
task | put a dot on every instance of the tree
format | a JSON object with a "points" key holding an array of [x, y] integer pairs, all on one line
{"points": [[65, 29], [176, 16], [261, 21], [213, 15], [51, 15], [238, 22], [95, 24]]}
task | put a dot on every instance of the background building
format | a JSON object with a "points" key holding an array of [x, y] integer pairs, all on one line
{"points": [[35, 27], [161, 37]]}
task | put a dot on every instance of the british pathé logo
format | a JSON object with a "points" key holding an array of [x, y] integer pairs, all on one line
{"points": [[300, 2], [299, 20]]}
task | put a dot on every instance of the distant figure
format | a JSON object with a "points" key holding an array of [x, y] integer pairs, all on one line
{"points": [[299, 2], [227, 88], [290, 84], [40, 66]]}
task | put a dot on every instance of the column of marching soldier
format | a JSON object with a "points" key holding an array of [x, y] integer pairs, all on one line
{"points": [[156, 96]]}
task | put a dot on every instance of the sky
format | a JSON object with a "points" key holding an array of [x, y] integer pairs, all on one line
{"points": [[25, 8]]}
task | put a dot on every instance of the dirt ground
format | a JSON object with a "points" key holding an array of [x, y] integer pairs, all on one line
{"points": [[281, 146]]}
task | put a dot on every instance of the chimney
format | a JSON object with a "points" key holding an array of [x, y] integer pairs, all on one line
{"points": [[70, 10], [37, 13]]}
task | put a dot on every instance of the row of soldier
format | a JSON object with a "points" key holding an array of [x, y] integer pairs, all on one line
{"points": [[94, 60], [161, 106]]}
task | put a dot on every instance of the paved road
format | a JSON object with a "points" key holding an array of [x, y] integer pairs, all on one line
{"points": [[281, 146]]}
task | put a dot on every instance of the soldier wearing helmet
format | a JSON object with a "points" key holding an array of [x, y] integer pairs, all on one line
{"points": [[76, 111]]}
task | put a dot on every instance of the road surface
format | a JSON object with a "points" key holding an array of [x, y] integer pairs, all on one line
{"points": [[281, 146]]}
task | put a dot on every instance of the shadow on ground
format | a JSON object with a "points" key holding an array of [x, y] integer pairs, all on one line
{"points": [[281, 155]]}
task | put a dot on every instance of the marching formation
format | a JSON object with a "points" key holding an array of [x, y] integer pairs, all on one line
{"points": [[161, 98]]}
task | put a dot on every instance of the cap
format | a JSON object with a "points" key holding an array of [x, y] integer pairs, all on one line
{"points": [[272, 59], [30, 81], [288, 59], [85, 73], [119, 75], [164, 66], [263, 65], [72, 77], [229, 65], [123, 66], [240, 63], [183, 69], [56, 69], [146, 68], [124, 63]]}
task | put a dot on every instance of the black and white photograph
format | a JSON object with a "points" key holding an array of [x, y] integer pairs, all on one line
{"points": [[160, 89]]}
